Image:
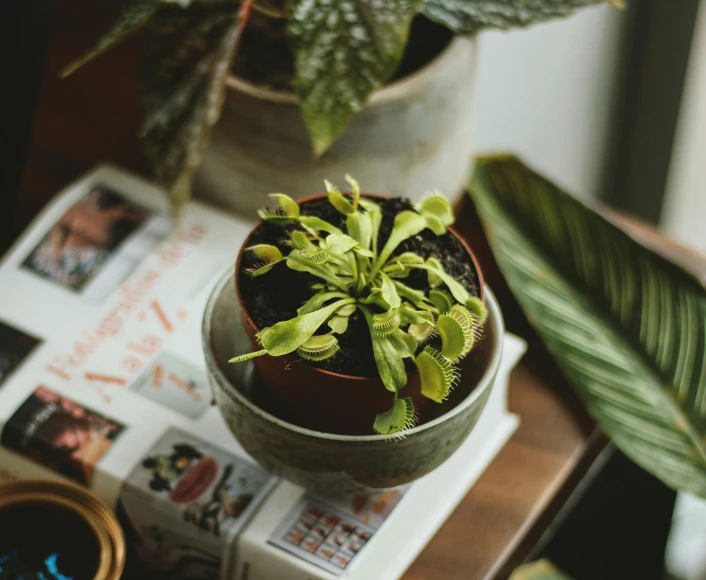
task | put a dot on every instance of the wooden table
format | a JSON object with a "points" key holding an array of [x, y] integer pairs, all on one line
{"points": [[93, 117]]}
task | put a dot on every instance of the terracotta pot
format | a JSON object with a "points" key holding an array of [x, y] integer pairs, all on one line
{"points": [[320, 399], [412, 136]]}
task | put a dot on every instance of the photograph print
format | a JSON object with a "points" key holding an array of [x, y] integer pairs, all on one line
{"points": [[60, 434], [96, 243], [15, 346]]}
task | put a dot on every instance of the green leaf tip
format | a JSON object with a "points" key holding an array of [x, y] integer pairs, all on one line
{"points": [[386, 322], [456, 332], [248, 356], [289, 207], [275, 217], [269, 255], [441, 300], [477, 308], [437, 375], [400, 418]]}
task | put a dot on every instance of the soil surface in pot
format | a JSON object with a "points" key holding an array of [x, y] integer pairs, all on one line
{"points": [[276, 295], [264, 58]]}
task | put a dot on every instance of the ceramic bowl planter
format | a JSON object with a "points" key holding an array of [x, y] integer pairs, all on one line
{"points": [[311, 418], [327, 462], [412, 136]]}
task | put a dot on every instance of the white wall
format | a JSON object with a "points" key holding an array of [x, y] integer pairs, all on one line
{"points": [[684, 213], [547, 93]]}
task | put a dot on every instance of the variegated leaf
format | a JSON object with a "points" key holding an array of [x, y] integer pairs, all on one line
{"points": [[627, 327], [344, 50], [469, 16], [184, 71]]}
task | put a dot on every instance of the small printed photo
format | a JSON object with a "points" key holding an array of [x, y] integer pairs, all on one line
{"points": [[60, 434], [310, 544], [329, 520], [302, 526], [197, 482], [325, 551], [176, 384], [96, 243], [341, 560], [338, 538], [314, 512], [15, 346], [319, 531], [344, 528], [295, 537]]}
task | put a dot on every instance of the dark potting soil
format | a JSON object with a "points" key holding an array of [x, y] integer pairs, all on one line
{"points": [[265, 60], [276, 295]]}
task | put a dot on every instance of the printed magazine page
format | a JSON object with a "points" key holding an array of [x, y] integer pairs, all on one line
{"points": [[103, 385], [101, 368]]}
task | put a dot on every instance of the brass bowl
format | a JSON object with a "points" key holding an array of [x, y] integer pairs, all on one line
{"points": [[80, 504]]}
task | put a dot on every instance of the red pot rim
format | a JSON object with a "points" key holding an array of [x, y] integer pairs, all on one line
{"points": [[314, 197]]}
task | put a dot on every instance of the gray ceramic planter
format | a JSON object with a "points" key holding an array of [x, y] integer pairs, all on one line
{"points": [[412, 136], [340, 463]]}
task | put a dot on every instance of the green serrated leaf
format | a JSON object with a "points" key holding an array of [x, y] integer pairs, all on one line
{"points": [[317, 224], [343, 51], [270, 256], [388, 291], [338, 200], [288, 335], [373, 210], [435, 204], [457, 290], [297, 260], [441, 300], [319, 348], [338, 324], [409, 315], [339, 243], [404, 343], [288, 205], [627, 327], [416, 297], [360, 227], [355, 190], [436, 373], [457, 336], [388, 361], [318, 300], [406, 225], [470, 16], [183, 73], [274, 217], [401, 417]]}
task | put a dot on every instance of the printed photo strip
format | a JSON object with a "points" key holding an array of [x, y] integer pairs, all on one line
{"points": [[60, 434], [96, 243], [323, 536]]}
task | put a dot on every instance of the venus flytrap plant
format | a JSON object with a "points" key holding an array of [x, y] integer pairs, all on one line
{"points": [[357, 275]]}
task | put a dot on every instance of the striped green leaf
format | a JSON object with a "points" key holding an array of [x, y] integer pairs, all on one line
{"points": [[627, 327]]}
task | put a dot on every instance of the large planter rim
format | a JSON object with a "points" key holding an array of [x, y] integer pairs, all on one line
{"points": [[249, 321], [485, 382], [399, 89]]}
